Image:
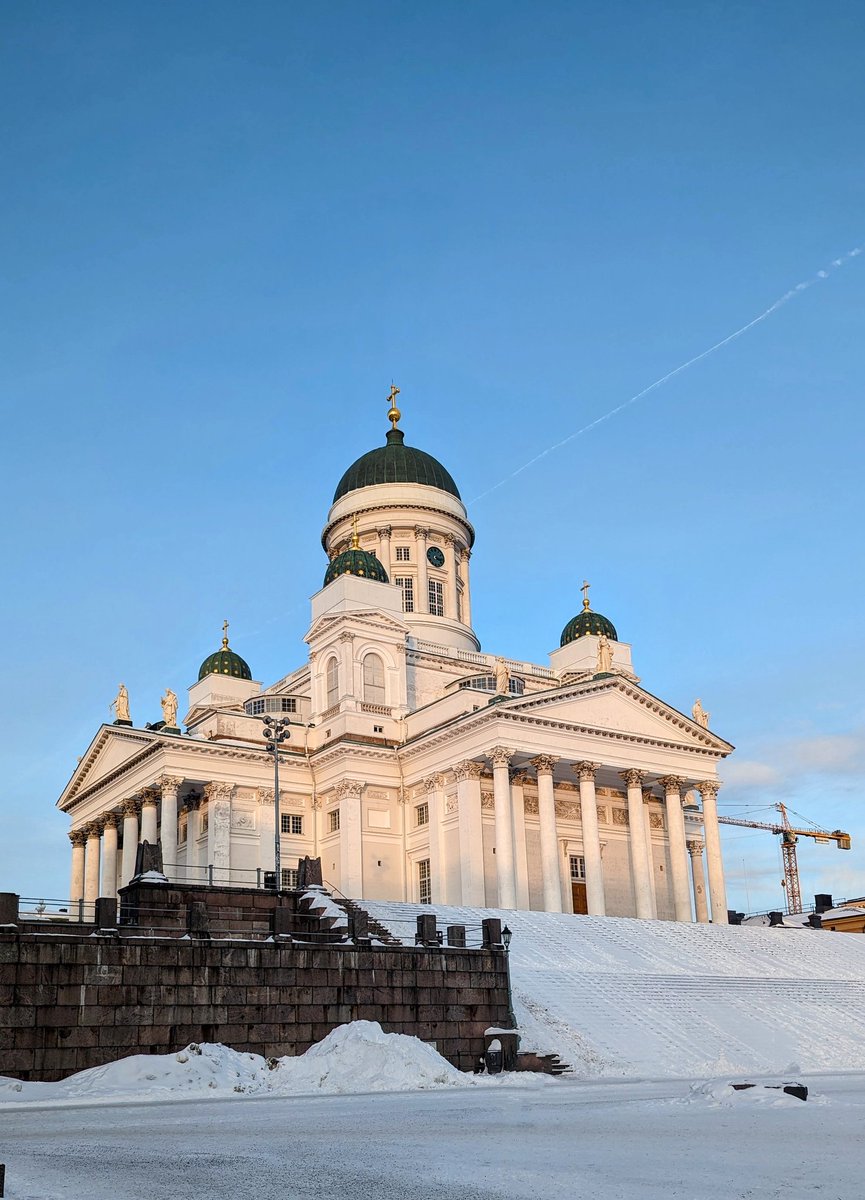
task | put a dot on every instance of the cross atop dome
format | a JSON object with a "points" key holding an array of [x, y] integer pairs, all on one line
{"points": [[394, 414]]}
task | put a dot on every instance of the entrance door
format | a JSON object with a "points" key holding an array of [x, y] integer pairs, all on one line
{"points": [[578, 884]]}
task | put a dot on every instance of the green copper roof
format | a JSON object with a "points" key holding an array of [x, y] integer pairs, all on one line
{"points": [[355, 562], [588, 622], [225, 662], [395, 463]]}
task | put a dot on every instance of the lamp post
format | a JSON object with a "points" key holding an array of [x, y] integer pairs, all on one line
{"points": [[507, 934], [275, 732]]}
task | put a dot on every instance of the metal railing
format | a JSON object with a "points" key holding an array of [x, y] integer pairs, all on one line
{"points": [[56, 912]]}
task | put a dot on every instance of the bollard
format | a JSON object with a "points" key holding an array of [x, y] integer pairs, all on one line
{"points": [[283, 919], [2, 1179], [492, 933], [457, 936], [426, 930], [106, 912], [359, 926], [8, 908]]}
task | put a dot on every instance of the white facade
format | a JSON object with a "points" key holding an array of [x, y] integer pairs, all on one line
{"points": [[405, 772]]}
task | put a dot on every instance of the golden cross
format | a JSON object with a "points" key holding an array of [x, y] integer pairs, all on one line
{"points": [[585, 590], [225, 633], [394, 414]]}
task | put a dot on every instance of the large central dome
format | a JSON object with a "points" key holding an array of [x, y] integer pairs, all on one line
{"points": [[395, 463]]}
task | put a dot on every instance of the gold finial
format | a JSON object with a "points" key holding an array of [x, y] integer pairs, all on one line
{"points": [[585, 590], [225, 635], [355, 540], [394, 414]]}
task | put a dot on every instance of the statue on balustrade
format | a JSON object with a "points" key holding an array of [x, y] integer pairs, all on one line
{"points": [[169, 708], [120, 705]]}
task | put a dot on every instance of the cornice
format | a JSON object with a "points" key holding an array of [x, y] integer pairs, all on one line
{"points": [[402, 506]]}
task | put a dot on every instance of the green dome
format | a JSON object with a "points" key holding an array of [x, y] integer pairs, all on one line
{"points": [[588, 622], [355, 561], [225, 662], [395, 463]]}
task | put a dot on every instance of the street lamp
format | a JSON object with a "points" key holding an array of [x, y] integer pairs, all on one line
{"points": [[507, 934], [275, 732]]}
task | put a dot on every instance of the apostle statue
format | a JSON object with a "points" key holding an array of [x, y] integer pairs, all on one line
{"points": [[700, 715], [169, 708], [605, 655], [120, 704], [503, 677]]}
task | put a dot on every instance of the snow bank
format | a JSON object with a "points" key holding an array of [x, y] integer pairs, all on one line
{"points": [[355, 1058], [719, 1093]]}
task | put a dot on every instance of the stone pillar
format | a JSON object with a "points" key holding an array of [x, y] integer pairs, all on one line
{"points": [[452, 607], [168, 828], [544, 765], [194, 859], [650, 855], [149, 811], [471, 837], [91, 862], [266, 830], [672, 786], [129, 808], [384, 548], [465, 555], [348, 792], [701, 907], [637, 828], [434, 788], [421, 601], [521, 863], [714, 863], [501, 757], [109, 855], [346, 666], [76, 879], [219, 796], [595, 900]]}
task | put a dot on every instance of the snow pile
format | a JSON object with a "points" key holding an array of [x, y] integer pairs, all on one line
{"points": [[355, 1058], [718, 1093]]}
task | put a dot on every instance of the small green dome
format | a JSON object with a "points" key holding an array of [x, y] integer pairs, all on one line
{"points": [[587, 622], [225, 662], [395, 463], [355, 561]]}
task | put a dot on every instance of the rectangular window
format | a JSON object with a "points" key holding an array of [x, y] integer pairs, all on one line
{"points": [[333, 820], [578, 868], [289, 878], [421, 814], [403, 554], [291, 823], [203, 822], [406, 582], [436, 598], [286, 704], [181, 833], [424, 882]]}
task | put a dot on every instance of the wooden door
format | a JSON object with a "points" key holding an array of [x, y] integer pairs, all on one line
{"points": [[578, 891]]}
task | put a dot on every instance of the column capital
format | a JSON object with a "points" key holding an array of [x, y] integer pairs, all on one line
{"points": [[265, 797], [109, 819], [384, 531], [169, 783], [421, 533], [349, 787], [709, 787], [632, 777], [149, 798], [501, 755], [217, 790], [585, 770], [695, 849], [192, 802], [544, 764], [78, 836], [470, 769], [433, 782], [520, 776], [346, 636], [465, 553], [316, 804], [672, 784], [130, 807]]}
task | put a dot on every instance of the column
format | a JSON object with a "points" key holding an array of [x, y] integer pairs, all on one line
{"points": [[384, 548], [434, 788], [346, 666], [348, 792], [521, 863], [194, 862], [714, 863], [266, 829], [219, 796], [109, 855], [468, 776], [701, 908], [421, 600], [76, 879], [129, 808], [452, 607], [501, 757], [169, 785], [672, 786], [544, 765], [650, 857], [465, 555], [595, 900], [91, 862], [149, 811], [637, 840]]}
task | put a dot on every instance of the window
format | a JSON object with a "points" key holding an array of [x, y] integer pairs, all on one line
{"points": [[333, 820], [289, 878], [406, 582], [181, 833], [578, 868], [271, 704], [291, 823], [436, 598], [403, 554], [487, 683], [203, 822], [373, 679], [424, 882], [378, 728], [421, 814], [332, 677]]}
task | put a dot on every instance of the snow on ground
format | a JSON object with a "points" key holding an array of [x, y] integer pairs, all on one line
{"points": [[618, 997]]}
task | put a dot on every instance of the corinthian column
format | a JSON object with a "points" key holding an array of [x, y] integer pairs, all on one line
{"points": [[109, 855], [76, 879], [544, 764], [521, 865], [384, 548], [421, 602], [348, 792], [168, 785], [504, 827], [638, 843], [471, 833], [595, 902], [434, 788], [465, 555], [701, 908], [91, 862], [129, 808], [149, 808], [452, 609], [714, 863], [672, 786], [219, 796]]}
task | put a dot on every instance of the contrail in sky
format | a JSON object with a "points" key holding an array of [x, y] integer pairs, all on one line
{"points": [[779, 303]]}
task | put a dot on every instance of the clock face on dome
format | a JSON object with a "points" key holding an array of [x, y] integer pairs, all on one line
{"points": [[435, 556]]}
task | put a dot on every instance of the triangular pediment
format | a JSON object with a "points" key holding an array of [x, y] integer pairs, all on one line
{"points": [[366, 619], [113, 748]]}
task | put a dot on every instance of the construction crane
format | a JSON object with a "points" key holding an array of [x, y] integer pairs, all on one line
{"points": [[789, 837]]}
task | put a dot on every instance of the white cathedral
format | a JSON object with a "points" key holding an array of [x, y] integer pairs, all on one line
{"points": [[417, 767]]}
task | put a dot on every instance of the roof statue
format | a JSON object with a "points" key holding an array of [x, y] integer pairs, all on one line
{"points": [[120, 705], [699, 714], [169, 708]]}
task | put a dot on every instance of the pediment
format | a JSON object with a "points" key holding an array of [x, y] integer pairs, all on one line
{"points": [[366, 619], [620, 706], [112, 749]]}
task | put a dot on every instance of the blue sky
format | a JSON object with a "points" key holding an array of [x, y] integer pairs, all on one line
{"points": [[227, 228]]}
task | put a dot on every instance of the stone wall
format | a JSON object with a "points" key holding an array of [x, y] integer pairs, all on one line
{"points": [[71, 1001]]}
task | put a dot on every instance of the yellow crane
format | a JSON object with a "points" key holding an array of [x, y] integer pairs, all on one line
{"points": [[789, 837]]}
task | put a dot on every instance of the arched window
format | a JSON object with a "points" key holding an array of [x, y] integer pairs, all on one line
{"points": [[332, 677], [373, 680]]}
